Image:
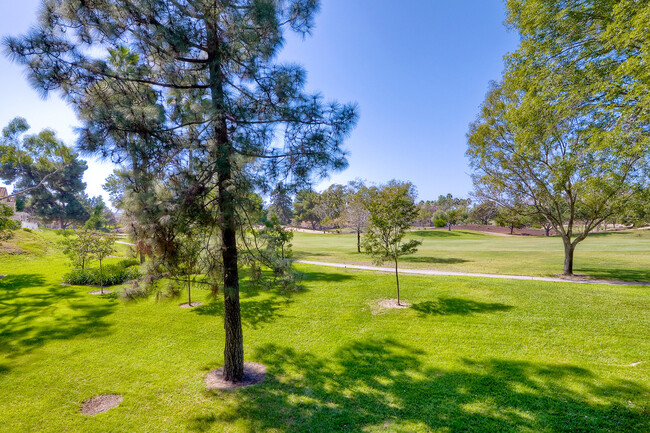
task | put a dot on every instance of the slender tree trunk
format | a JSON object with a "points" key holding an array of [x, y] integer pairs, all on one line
{"points": [[189, 291], [142, 258], [397, 280], [101, 277], [569, 248], [547, 231], [358, 240], [233, 368], [449, 226], [512, 229]]}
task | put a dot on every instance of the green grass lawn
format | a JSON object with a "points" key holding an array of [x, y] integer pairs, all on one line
{"points": [[623, 255], [469, 355]]}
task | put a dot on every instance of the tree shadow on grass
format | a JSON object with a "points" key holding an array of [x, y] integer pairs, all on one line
{"points": [[616, 274], [457, 306], [438, 234], [381, 385], [31, 314], [254, 313], [330, 277], [434, 260]]}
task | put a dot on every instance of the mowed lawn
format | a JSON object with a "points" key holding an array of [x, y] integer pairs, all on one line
{"points": [[621, 255], [470, 355]]}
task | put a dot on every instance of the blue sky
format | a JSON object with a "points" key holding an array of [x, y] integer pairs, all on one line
{"points": [[418, 70]]}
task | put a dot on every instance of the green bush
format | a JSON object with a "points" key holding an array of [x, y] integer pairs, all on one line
{"points": [[439, 223], [113, 274]]}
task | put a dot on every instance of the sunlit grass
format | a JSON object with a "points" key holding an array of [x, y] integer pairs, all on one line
{"points": [[469, 355]]}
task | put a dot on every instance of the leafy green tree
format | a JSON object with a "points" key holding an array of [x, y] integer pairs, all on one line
{"points": [[556, 158], [391, 211], [356, 213], [7, 225], [331, 206], [46, 171], [513, 217], [80, 248], [483, 213], [99, 214], [304, 208], [194, 90]]}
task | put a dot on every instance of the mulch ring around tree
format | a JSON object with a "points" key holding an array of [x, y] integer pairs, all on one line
{"points": [[192, 305], [392, 303], [99, 292], [254, 373], [100, 403]]}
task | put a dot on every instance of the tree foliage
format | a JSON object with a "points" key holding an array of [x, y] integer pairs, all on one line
{"points": [[7, 225], [46, 171]]}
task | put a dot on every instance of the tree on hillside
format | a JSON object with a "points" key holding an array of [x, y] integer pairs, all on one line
{"points": [[46, 171], [356, 213], [555, 158], [197, 83], [514, 217], [304, 208], [391, 211]]}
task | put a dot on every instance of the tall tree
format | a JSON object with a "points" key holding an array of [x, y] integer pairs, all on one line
{"points": [[46, 171], [217, 113], [557, 158], [281, 204], [7, 225], [391, 212]]}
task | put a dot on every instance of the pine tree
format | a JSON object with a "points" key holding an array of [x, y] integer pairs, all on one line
{"points": [[193, 86]]}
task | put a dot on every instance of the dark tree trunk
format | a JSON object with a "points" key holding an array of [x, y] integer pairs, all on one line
{"points": [[569, 248], [189, 292], [449, 226], [397, 280], [101, 277], [142, 258], [233, 367], [358, 240], [512, 229], [547, 231]]}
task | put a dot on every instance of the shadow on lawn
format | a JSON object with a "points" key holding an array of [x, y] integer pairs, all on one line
{"points": [[30, 315], [616, 274], [434, 260], [253, 313], [458, 306], [381, 385]]}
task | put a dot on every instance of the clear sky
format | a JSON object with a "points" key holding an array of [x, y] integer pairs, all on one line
{"points": [[418, 70]]}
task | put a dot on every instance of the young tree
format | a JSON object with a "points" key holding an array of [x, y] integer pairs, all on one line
{"points": [[198, 85], [102, 247], [557, 158], [391, 212], [80, 248], [483, 212]]}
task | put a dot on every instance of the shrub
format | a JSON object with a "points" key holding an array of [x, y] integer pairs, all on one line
{"points": [[113, 274], [27, 229], [439, 223]]}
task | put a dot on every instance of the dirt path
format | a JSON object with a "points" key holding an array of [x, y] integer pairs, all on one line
{"points": [[469, 274]]}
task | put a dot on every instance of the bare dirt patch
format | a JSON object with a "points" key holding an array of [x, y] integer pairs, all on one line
{"points": [[99, 292], [192, 305], [254, 373], [392, 303], [100, 403]]}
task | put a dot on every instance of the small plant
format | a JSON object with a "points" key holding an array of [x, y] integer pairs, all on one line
{"points": [[439, 223]]}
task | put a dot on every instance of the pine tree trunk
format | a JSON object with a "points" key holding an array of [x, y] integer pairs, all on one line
{"points": [[233, 367], [568, 257], [189, 292], [101, 277], [358, 240]]}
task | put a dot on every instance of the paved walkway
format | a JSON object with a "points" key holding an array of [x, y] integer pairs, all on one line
{"points": [[469, 274]]}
